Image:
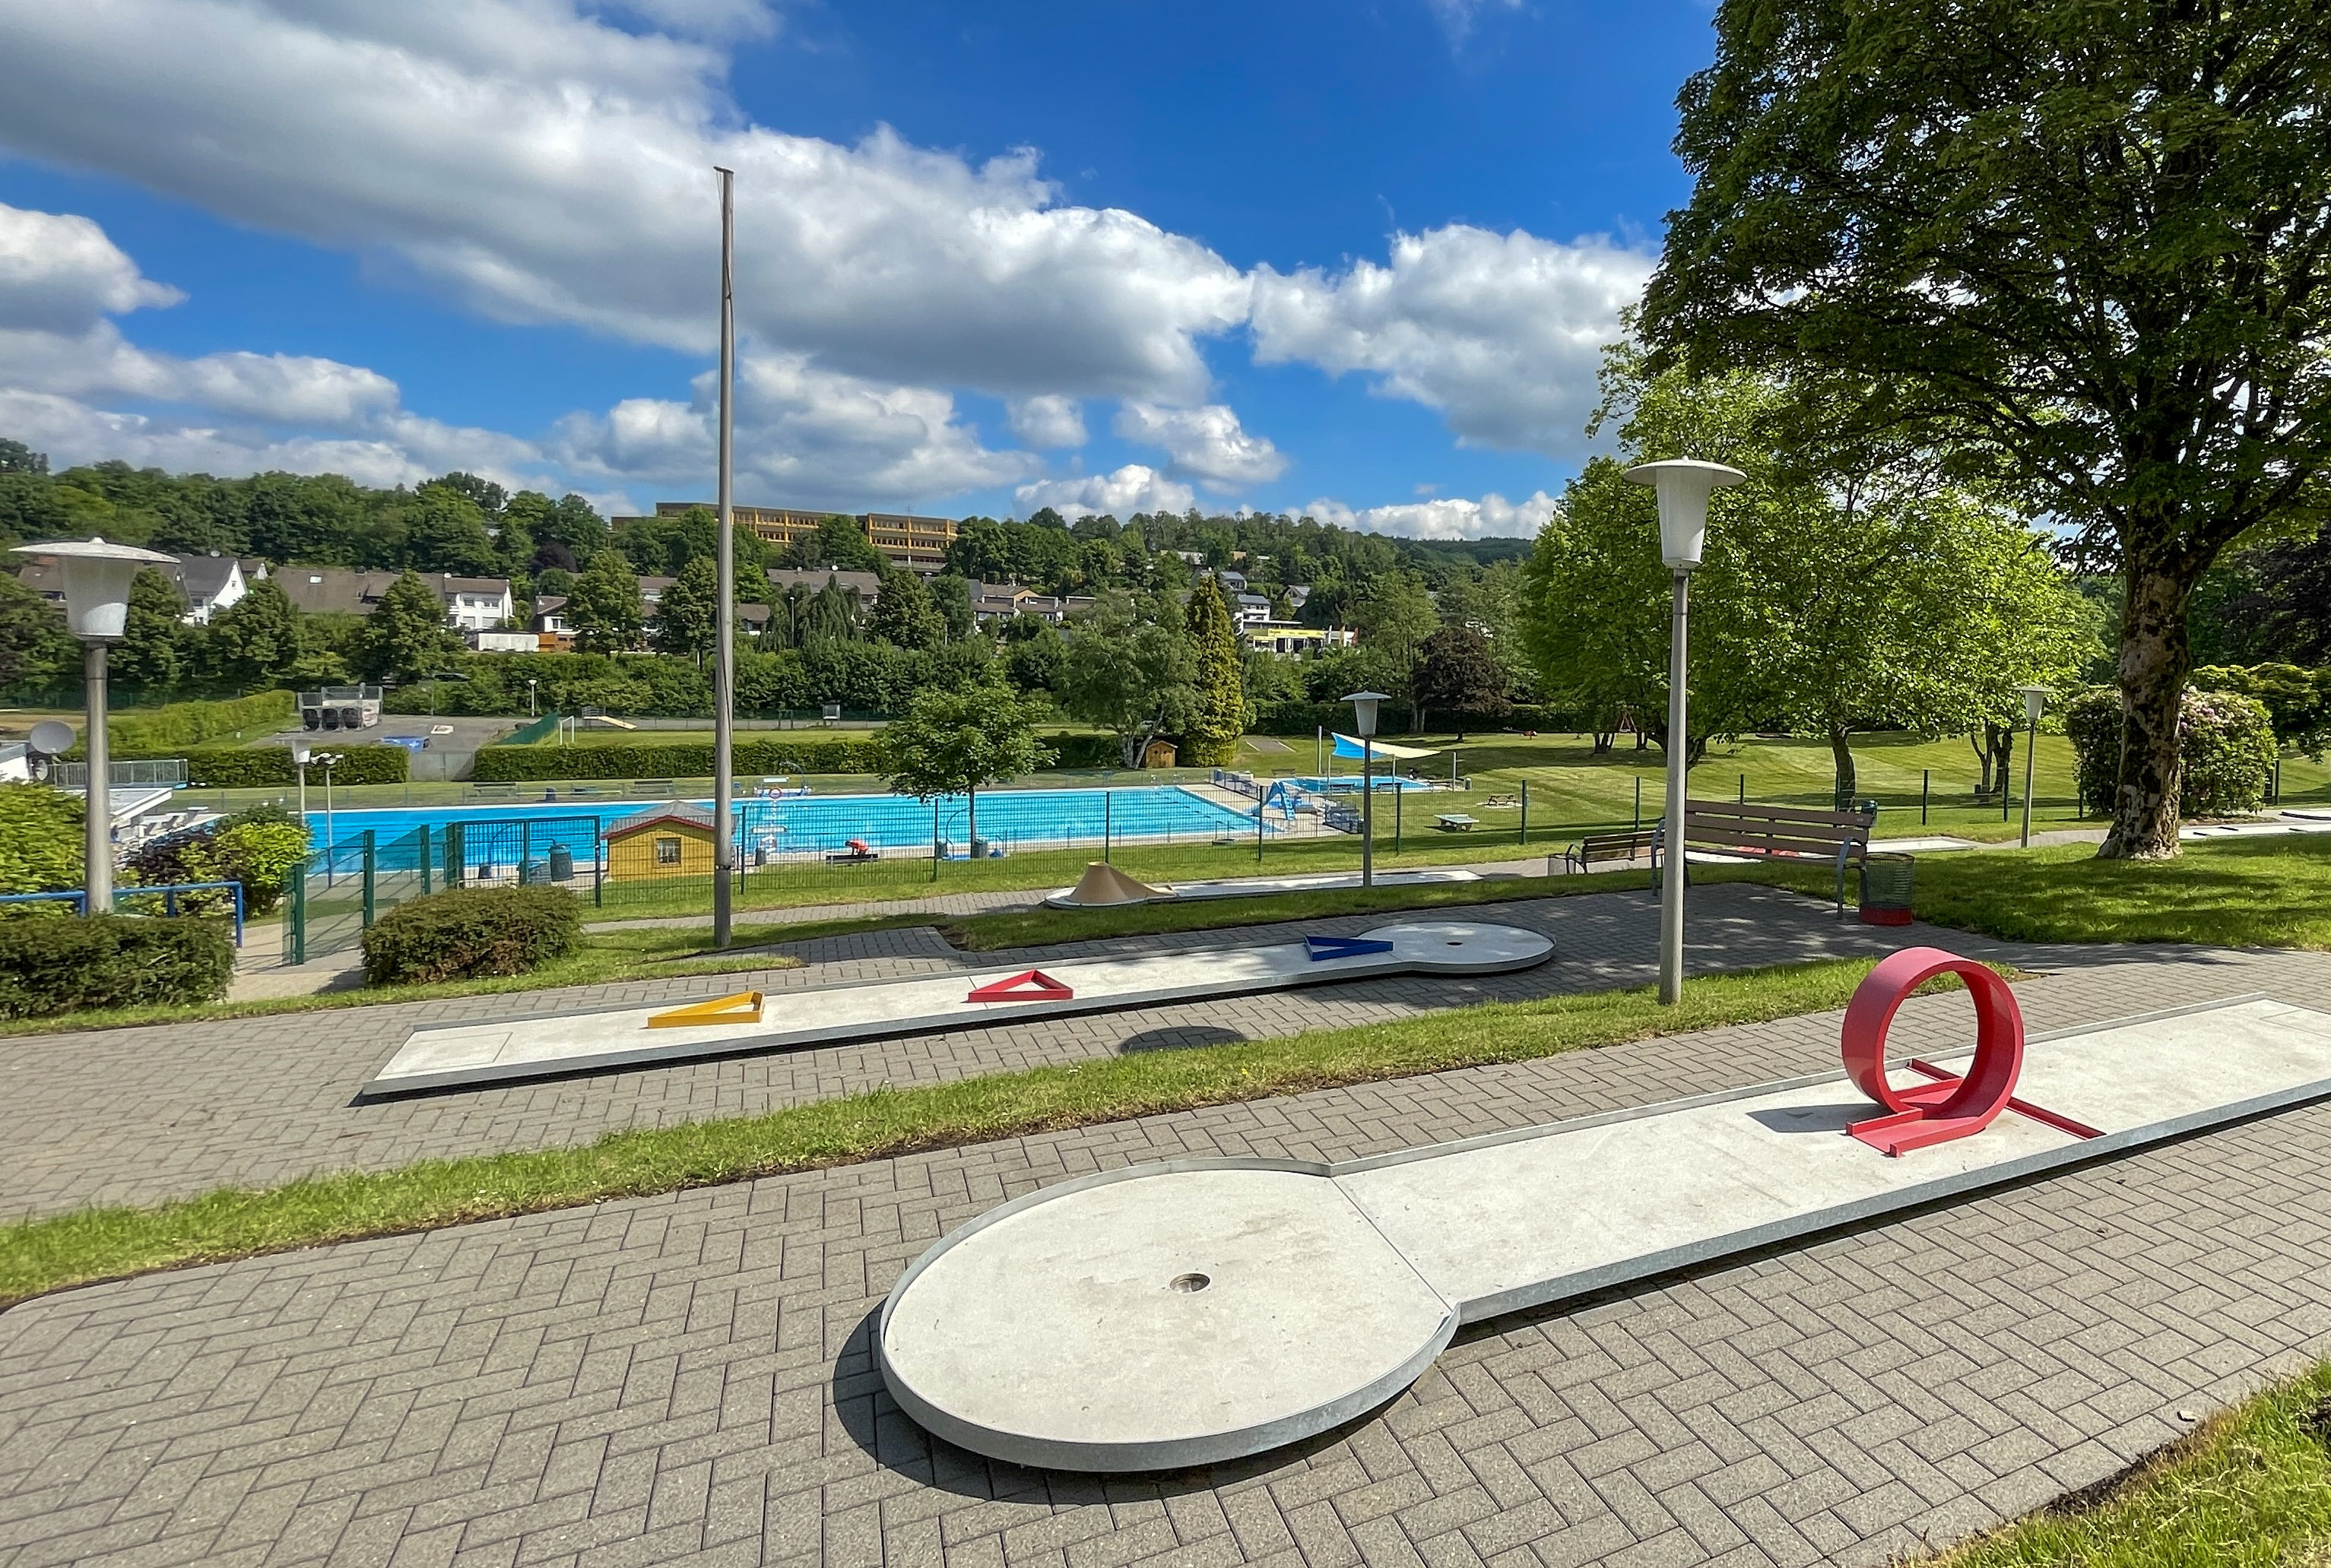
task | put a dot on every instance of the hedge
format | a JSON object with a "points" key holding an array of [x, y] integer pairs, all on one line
{"points": [[258, 766], [65, 964], [467, 932], [1308, 717], [179, 725], [522, 763]]}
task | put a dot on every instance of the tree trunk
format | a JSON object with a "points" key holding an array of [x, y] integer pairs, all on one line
{"points": [[1603, 740], [2156, 657], [1979, 742], [1841, 755]]}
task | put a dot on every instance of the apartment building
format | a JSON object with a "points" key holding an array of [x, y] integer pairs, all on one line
{"points": [[918, 543]]}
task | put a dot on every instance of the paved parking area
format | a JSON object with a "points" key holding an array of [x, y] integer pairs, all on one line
{"points": [[686, 1379], [141, 1114]]}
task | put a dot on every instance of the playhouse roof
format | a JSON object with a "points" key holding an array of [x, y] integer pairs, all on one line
{"points": [[684, 816]]}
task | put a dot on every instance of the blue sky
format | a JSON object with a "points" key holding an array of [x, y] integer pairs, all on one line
{"points": [[1355, 259]]}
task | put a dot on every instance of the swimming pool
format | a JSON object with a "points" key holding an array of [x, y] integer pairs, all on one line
{"points": [[1350, 784], [824, 824]]}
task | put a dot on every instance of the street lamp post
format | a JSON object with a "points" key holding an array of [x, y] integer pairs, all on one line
{"points": [[1683, 486], [97, 611], [529, 697], [302, 754], [1364, 720], [2035, 703]]}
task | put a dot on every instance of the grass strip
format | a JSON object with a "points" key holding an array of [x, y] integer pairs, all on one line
{"points": [[2251, 1488], [43, 1255]]}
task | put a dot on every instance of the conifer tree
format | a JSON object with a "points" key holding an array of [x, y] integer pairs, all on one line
{"points": [[1213, 737]]}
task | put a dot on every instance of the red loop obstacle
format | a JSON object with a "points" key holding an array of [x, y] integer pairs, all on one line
{"points": [[1952, 1106]]}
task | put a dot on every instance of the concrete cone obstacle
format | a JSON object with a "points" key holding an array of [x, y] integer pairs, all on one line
{"points": [[1103, 885]]}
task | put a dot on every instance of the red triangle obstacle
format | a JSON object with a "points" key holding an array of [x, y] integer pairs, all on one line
{"points": [[1028, 985]]}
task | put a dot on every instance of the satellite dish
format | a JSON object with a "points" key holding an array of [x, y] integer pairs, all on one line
{"points": [[51, 738]]}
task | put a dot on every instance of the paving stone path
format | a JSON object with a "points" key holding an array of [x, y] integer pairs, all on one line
{"points": [[141, 1114], [685, 1378]]}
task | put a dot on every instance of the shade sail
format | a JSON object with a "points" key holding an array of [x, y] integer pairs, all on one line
{"points": [[1348, 746]]}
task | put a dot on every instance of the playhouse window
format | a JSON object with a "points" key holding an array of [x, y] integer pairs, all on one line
{"points": [[667, 852]]}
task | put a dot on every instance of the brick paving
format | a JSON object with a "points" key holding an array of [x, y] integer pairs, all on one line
{"points": [[685, 1378], [141, 1114]]}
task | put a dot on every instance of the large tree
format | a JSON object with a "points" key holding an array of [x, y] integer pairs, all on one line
{"points": [[256, 640], [687, 614], [150, 659], [606, 609], [1132, 674], [1458, 674], [953, 743], [1211, 737], [405, 637], [2086, 240]]}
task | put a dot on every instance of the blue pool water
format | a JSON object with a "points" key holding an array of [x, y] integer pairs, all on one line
{"points": [[1350, 784], [1035, 818]]}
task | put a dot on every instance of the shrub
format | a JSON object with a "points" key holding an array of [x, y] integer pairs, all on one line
{"points": [[468, 932], [65, 965], [523, 763], [40, 839], [2225, 751], [257, 848]]}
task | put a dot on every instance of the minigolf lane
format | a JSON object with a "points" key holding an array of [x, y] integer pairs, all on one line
{"points": [[1186, 1313], [450, 1055]]}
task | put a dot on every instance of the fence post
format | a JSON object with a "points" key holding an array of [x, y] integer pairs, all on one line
{"points": [[1258, 830], [1108, 807], [1639, 803], [1743, 789], [371, 862], [455, 850], [1524, 838], [295, 929], [1396, 793], [934, 840], [1925, 793], [425, 867]]}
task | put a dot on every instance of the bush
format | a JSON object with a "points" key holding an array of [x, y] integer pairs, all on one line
{"points": [[2225, 751], [65, 965], [257, 848], [468, 932], [40, 839], [258, 767]]}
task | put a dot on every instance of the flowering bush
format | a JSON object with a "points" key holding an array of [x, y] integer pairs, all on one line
{"points": [[2225, 745]]}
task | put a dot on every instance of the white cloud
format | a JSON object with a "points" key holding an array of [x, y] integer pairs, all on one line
{"points": [[60, 273], [811, 435], [1502, 333], [1491, 517], [545, 165], [1048, 422], [1456, 16], [1205, 443], [1134, 488]]}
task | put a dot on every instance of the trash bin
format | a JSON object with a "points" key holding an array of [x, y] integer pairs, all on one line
{"points": [[533, 871], [562, 863], [1886, 889]]}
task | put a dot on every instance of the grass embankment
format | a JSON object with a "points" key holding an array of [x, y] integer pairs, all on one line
{"points": [[45, 1255], [2249, 1490]]}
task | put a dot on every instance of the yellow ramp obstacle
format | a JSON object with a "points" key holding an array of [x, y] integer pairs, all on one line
{"points": [[744, 1007]]}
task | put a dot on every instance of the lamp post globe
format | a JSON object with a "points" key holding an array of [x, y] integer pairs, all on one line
{"points": [[97, 578], [2035, 703], [1365, 705], [1682, 485]]}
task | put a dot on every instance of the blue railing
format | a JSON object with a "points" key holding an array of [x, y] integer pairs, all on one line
{"points": [[168, 892]]}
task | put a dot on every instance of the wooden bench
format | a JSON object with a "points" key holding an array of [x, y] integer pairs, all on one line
{"points": [[1775, 833], [1455, 822], [493, 792], [1626, 844]]}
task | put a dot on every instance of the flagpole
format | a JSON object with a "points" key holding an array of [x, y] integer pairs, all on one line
{"points": [[724, 652]]}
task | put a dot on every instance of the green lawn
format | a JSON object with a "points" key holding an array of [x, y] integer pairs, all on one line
{"points": [[45, 1255], [2251, 1489], [2263, 892]]}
